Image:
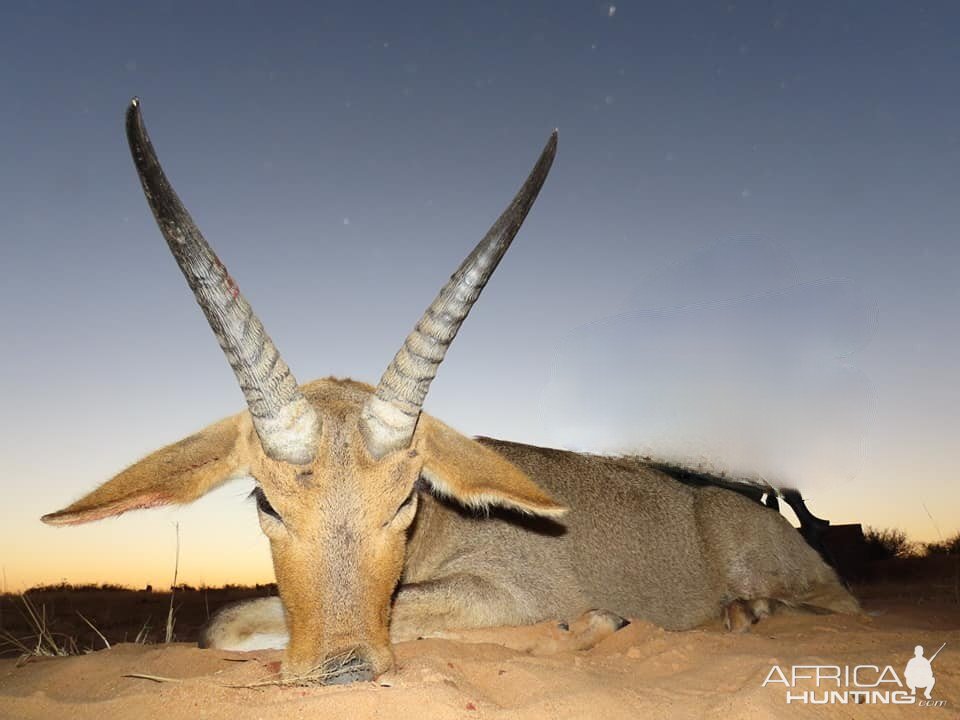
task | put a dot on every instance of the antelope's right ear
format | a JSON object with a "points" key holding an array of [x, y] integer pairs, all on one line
{"points": [[475, 475], [174, 475]]}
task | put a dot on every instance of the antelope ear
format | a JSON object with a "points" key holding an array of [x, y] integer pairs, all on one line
{"points": [[176, 474], [475, 475]]}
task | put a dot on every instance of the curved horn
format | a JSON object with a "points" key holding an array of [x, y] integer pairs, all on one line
{"points": [[285, 421], [390, 415]]}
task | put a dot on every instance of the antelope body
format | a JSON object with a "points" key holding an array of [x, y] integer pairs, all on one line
{"points": [[385, 524]]}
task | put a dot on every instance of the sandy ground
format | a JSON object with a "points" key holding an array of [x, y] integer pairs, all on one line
{"points": [[640, 671]]}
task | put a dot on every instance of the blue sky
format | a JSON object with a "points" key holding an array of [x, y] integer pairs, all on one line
{"points": [[746, 254]]}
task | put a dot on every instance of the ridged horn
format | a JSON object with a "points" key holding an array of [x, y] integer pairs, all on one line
{"points": [[389, 417], [285, 421]]}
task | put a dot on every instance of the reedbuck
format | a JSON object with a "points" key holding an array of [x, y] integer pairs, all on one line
{"points": [[386, 524]]}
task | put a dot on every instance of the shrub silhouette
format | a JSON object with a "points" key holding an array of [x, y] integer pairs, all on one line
{"points": [[883, 544], [950, 546]]}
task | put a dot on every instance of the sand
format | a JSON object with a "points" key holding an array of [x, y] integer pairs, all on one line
{"points": [[640, 671]]}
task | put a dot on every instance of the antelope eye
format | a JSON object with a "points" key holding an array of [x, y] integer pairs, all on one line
{"points": [[263, 504]]}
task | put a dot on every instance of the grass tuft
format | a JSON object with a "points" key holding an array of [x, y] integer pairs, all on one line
{"points": [[41, 641]]}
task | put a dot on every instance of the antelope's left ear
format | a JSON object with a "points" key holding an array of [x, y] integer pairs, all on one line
{"points": [[174, 475], [475, 475]]}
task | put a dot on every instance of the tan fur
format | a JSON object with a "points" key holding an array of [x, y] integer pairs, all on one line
{"points": [[177, 474], [635, 542], [476, 476]]}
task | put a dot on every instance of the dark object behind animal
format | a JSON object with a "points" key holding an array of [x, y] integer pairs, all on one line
{"points": [[813, 528]]}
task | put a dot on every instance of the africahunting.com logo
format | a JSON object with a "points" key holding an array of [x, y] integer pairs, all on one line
{"points": [[859, 684]]}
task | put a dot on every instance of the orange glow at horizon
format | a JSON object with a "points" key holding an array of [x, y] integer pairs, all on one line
{"points": [[221, 542]]}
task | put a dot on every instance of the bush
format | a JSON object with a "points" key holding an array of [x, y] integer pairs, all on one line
{"points": [[950, 546], [887, 543]]}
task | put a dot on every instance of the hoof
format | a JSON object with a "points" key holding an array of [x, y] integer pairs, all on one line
{"points": [[605, 617], [740, 615]]}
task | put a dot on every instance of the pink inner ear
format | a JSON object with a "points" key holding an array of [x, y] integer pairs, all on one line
{"points": [[99, 512]]}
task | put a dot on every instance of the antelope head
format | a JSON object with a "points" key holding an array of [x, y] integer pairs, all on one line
{"points": [[339, 465]]}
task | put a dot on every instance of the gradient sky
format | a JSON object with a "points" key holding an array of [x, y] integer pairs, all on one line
{"points": [[746, 254]]}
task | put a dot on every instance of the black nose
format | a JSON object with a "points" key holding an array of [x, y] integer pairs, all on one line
{"points": [[348, 670]]}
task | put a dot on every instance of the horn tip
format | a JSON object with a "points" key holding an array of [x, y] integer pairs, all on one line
{"points": [[133, 111], [551, 148]]}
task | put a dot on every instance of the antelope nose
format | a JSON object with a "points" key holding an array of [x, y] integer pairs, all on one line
{"points": [[353, 669]]}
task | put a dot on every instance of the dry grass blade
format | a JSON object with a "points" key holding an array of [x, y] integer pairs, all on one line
{"points": [[12, 642], [95, 629], [153, 678], [143, 633], [176, 569], [43, 642], [330, 668], [46, 645]]}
